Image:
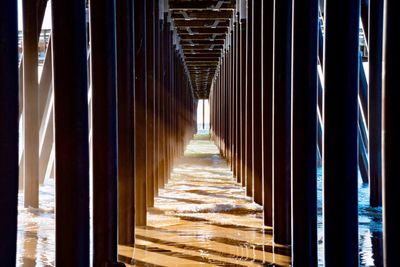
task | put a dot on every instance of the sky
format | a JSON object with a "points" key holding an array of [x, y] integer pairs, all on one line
{"points": [[200, 112], [47, 16]]}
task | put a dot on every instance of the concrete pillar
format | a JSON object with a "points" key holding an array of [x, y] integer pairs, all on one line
{"points": [[9, 127]]}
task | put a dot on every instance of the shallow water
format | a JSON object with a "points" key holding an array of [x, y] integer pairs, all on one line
{"points": [[369, 227], [201, 217], [36, 234]]}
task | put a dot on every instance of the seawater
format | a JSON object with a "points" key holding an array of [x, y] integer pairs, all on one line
{"points": [[369, 227]]}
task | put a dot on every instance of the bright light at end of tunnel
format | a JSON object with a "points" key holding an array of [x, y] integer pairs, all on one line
{"points": [[200, 114]]}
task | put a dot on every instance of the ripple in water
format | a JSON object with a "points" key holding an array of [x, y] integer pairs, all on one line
{"points": [[369, 227]]}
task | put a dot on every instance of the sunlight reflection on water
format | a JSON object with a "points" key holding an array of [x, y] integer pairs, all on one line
{"points": [[369, 229], [201, 216]]}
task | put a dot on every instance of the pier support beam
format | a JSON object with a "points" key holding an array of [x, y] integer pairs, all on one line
{"points": [[30, 104], [140, 104], [391, 133], [249, 101], [71, 132], [150, 68], [282, 121], [9, 127], [125, 83], [375, 101], [257, 99], [340, 116], [266, 103], [157, 71], [237, 100], [242, 86], [304, 132], [104, 132]]}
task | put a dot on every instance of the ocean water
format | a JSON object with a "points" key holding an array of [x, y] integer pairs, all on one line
{"points": [[369, 227], [193, 194], [203, 130]]}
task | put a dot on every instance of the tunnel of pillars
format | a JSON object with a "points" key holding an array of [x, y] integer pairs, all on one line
{"points": [[118, 96]]}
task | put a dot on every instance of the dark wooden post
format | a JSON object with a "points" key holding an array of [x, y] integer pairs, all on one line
{"points": [[267, 93], [150, 34], [229, 103], [340, 154], [375, 101], [257, 98], [125, 82], [249, 101], [223, 104], [304, 132], [238, 101], [71, 132], [140, 104], [161, 112], [391, 133], [9, 127], [282, 121], [30, 104], [235, 98], [157, 100], [243, 62], [104, 129]]}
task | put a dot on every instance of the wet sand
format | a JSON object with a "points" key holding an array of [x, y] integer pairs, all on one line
{"points": [[203, 217]]}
